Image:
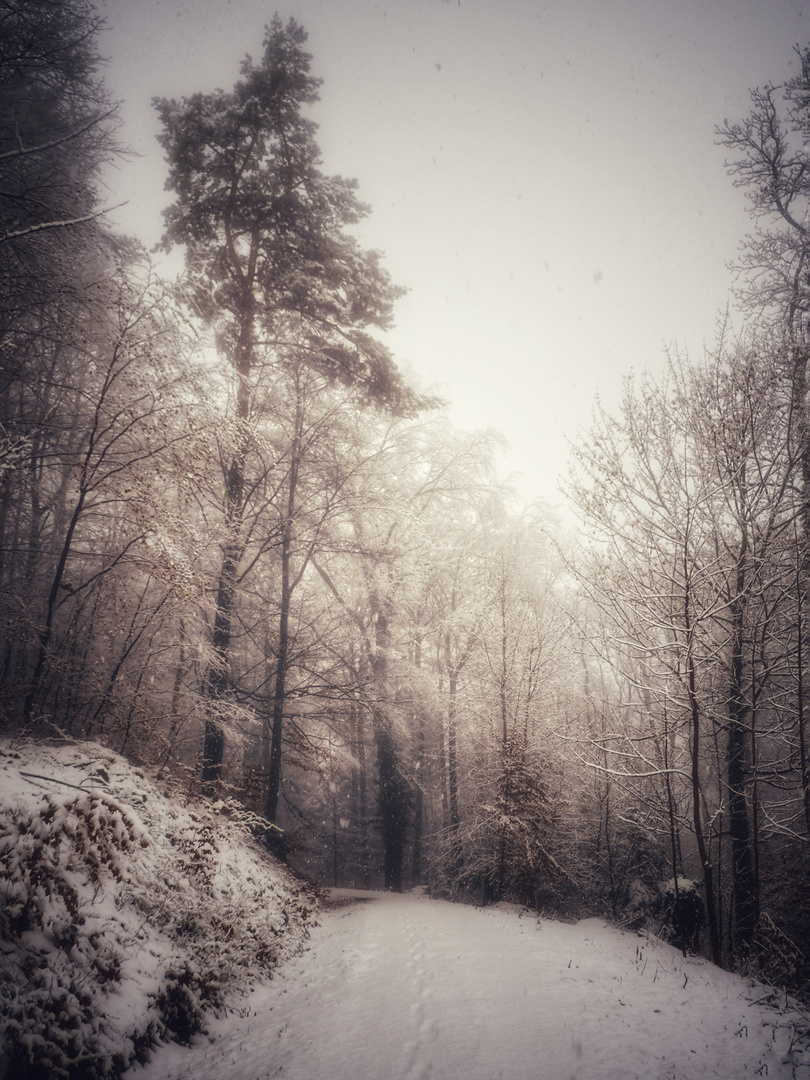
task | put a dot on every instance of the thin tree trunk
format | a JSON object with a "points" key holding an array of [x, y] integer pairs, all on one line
{"points": [[419, 792], [454, 666], [801, 408], [804, 756], [357, 719], [673, 830], [280, 684], [697, 817], [452, 756], [335, 821], [283, 647], [746, 907], [46, 632], [393, 788]]}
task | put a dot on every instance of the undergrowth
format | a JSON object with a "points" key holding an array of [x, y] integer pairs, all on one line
{"points": [[125, 917]]}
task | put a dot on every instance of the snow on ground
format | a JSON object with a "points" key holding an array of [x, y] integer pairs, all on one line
{"points": [[126, 912], [408, 988]]}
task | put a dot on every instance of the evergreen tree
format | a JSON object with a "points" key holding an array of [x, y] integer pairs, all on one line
{"points": [[270, 266]]}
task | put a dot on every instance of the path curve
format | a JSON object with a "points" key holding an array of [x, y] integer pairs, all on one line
{"points": [[407, 988]]}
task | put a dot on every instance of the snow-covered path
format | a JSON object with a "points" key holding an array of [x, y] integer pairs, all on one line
{"points": [[407, 988]]}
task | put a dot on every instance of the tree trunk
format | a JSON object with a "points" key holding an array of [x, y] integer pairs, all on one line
{"points": [[283, 647], [46, 631], [218, 680], [393, 787], [801, 358], [360, 786], [804, 755], [746, 903], [452, 760], [280, 684], [697, 817], [419, 788]]}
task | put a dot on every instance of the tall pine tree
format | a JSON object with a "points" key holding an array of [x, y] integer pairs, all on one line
{"points": [[271, 267]]}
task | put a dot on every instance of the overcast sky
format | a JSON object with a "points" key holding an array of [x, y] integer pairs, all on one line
{"points": [[543, 176]]}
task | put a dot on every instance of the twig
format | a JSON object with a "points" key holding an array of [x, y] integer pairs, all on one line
{"points": [[53, 780]]}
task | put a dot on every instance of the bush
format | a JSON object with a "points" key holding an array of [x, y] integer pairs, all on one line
{"points": [[123, 917]]}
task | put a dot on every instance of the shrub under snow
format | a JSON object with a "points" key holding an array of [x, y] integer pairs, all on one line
{"points": [[124, 915]]}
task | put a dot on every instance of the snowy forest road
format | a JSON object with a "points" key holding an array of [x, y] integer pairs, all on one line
{"points": [[407, 988]]}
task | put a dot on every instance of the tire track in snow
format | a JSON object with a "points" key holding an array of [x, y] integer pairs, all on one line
{"points": [[371, 1001], [416, 1068]]}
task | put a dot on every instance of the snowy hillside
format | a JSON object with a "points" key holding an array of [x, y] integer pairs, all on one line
{"points": [[124, 915], [407, 988]]}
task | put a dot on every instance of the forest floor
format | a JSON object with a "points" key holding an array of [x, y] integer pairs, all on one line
{"points": [[408, 988]]}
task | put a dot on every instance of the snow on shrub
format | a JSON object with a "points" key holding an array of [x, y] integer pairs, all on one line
{"points": [[677, 915], [683, 912], [124, 916]]}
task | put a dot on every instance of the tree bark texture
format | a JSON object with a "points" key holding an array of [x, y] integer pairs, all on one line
{"points": [[394, 790]]}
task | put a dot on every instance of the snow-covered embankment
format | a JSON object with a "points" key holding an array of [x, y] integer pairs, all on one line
{"points": [[124, 915]]}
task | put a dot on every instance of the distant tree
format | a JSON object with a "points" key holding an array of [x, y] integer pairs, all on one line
{"points": [[384, 569], [269, 260], [508, 805]]}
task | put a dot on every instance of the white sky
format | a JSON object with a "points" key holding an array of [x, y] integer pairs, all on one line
{"points": [[543, 176]]}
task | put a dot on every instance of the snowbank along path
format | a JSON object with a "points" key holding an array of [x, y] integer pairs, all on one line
{"points": [[407, 988]]}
